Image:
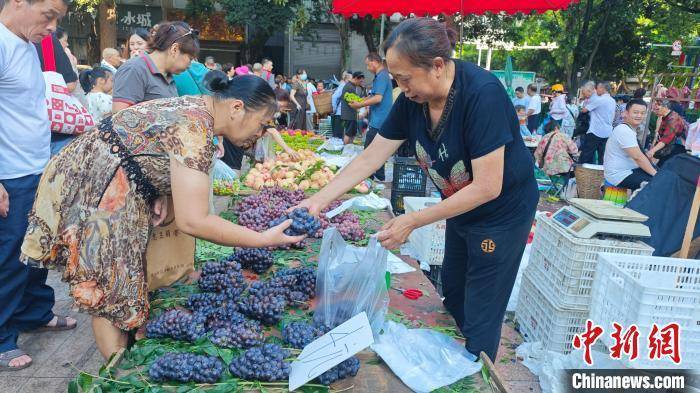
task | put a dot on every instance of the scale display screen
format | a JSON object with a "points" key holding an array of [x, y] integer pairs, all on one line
{"points": [[566, 217]]}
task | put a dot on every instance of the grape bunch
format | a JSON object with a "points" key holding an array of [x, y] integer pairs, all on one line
{"points": [[345, 369], [348, 224], [270, 197], [255, 259], [303, 223], [300, 334], [224, 316], [264, 363], [186, 367], [223, 277], [258, 218], [263, 303], [304, 286], [206, 302], [178, 325], [244, 334]]}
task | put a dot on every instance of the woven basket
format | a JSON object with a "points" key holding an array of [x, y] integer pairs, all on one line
{"points": [[588, 182], [322, 102]]}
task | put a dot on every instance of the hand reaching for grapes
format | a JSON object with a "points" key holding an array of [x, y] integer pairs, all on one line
{"points": [[275, 236], [314, 207]]}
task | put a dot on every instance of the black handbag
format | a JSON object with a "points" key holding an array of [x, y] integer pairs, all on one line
{"points": [[583, 122]]}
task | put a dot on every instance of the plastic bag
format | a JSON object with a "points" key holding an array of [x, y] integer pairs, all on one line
{"points": [[264, 149], [224, 179], [369, 202], [350, 280], [424, 359]]}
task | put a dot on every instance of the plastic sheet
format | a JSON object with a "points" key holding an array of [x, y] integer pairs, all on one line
{"points": [[423, 359], [223, 172], [549, 365], [350, 280]]}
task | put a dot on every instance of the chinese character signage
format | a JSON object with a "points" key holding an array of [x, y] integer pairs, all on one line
{"points": [[130, 17]]}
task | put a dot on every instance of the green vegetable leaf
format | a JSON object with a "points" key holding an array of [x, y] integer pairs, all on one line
{"points": [[73, 387]]}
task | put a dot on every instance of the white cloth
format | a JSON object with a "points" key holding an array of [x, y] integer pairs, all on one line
{"points": [[602, 109], [99, 105], [568, 124], [335, 98], [24, 125], [535, 104], [310, 90], [108, 66], [617, 163], [558, 108]]}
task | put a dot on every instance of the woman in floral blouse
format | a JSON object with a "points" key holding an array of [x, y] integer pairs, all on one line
{"points": [[555, 152], [99, 199]]}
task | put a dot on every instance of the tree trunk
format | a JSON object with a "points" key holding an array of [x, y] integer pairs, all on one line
{"points": [[580, 42], [604, 30], [368, 33], [107, 14]]}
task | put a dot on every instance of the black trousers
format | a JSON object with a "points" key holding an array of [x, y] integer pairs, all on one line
{"points": [[634, 180], [591, 145], [337, 126], [369, 137], [350, 128], [478, 273]]}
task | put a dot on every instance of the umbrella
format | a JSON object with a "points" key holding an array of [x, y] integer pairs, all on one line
{"points": [[376, 8], [509, 76]]}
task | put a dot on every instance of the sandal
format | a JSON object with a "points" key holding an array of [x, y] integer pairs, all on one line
{"points": [[61, 324], [7, 357]]}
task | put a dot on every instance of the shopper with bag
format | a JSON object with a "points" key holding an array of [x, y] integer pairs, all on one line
{"points": [[466, 136], [98, 201], [26, 301]]}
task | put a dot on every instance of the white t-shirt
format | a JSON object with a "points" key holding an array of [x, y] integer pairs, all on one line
{"points": [[616, 162], [99, 105], [535, 104], [25, 137], [602, 109]]}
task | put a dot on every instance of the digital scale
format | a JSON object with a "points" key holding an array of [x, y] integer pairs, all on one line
{"points": [[586, 218]]}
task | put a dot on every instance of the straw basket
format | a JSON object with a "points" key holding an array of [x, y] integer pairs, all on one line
{"points": [[588, 182], [322, 102]]}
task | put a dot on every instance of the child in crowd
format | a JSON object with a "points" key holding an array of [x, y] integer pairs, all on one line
{"points": [[98, 82], [522, 118]]}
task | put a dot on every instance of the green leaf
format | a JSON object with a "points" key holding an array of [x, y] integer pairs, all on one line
{"points": [[314, 389], [226, 355], [183, 389], [374, 362], [73, 387], [84, 380]]}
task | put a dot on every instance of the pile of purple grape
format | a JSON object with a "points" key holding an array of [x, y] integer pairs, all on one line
{"points": [[303, 223]]}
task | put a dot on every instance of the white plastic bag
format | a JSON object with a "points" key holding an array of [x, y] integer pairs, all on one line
{"points": [[350, 280], [223, 172], [423, 359]]}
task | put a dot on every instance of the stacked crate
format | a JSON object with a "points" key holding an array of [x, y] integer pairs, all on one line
{"points": [[555, 293]]}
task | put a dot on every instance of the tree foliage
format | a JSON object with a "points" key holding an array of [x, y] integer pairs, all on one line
{"points": [[597, 39]]}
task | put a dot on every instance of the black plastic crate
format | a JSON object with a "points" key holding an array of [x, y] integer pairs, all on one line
{"points": [[435, 277], [397, 199], [408, 176]]}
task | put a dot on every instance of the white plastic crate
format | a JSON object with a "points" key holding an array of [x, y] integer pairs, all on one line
{"points": [[647, 290], [428, 241], [566, 264], [540, 320]]}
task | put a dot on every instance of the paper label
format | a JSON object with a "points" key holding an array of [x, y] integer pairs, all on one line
{"points": [[329, 350]]}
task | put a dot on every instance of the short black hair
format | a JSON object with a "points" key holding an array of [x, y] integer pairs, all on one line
{"points": [[550, 126], [373, 56], [532, 87], [520, 89], [635, 101], [358, 75]]}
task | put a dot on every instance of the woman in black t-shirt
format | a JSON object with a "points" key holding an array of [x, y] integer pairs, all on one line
{"points": [[466, 137]]}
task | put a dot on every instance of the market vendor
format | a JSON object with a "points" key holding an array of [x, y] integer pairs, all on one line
{"points": [[466, 136], [99, 199]]}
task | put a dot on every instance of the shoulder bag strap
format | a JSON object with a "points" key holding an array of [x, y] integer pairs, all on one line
{"points": [[546, 149], [48, 54]]}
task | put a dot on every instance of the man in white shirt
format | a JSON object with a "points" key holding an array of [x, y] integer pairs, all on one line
{"points": [[520, 97], [602, 110], [111, 59], [25, 299], [534, 108], [625, 164], [335, 103]]}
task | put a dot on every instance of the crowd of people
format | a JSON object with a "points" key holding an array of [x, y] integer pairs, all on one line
{"points": [[602, 130]]}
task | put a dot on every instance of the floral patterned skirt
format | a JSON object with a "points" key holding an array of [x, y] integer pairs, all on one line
{"points": [[90, 221]]}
